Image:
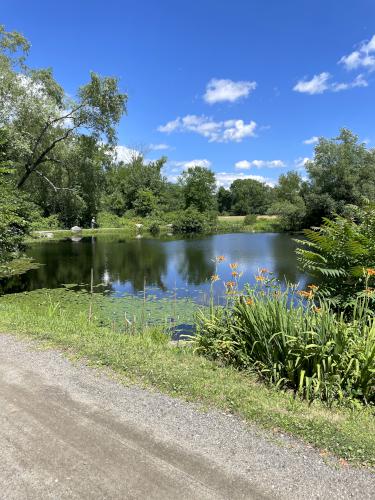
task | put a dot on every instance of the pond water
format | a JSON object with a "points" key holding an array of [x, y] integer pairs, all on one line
{"points": [[168, 267]]}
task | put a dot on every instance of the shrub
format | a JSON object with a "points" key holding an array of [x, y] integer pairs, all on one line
{"points": [[291, 344], [249, 219], [40, 223], [189, 221]]}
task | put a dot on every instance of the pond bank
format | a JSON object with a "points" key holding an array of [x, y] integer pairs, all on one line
{"points": [[149, 359]]}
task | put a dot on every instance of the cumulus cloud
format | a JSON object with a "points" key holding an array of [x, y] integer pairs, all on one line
{"points": [[321, 83], [227, 90], [363, 57], [245, 164], [221, 131], [312, 140], [225, 179]]}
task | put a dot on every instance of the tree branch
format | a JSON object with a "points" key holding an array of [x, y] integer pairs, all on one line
{"points": [[51, 183]]}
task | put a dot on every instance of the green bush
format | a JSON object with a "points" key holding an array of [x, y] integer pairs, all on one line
{"points": [[40, 223], [341, 254], [249, 219], [189, 221], [291, 344]]}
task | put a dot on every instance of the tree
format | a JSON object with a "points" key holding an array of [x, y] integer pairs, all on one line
{"points": [[125, 182], [342, 172], [198, 187], [224, 200], [15, 210], [288, 202], [42, 119], [250, 196]]}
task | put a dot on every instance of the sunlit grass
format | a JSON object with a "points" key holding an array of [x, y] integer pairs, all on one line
{"points": [[147, 357]]}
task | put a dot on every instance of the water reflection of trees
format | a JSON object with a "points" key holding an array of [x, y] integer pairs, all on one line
{"points": [[196, 264], [284, 258], [68, 262]]}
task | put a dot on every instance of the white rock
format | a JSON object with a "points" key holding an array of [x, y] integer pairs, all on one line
{"points": [[76, 229]]}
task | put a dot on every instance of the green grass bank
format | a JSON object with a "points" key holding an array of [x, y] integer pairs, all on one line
{"points": [[147, 357]]}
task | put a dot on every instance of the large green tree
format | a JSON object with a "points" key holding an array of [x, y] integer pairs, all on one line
{"points": [[288, 202], [46, 126], [198, 187], [250, 196], [341, 173], [136, 185]]}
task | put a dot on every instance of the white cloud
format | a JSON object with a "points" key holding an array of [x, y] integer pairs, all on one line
{"points": [[320, 83], [301, 162], [317, 85], [125, 154], [225, 179], [222, 131], [159, 147], [192, 163], [244, 164], [359, 81], [227, 90], [312, 140], [363, 57]]}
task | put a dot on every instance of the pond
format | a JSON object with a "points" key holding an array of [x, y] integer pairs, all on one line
{"points": [[169, 267]]}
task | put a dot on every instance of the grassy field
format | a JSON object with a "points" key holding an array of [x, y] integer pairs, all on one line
{"points": [[149, 359]]}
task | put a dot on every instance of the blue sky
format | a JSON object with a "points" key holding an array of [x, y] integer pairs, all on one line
{"points": [[239, 85]]}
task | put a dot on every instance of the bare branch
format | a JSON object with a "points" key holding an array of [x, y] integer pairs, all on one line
{"points": [[51, 183]]}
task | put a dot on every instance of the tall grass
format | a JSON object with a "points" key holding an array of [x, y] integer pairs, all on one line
{"points": [[292, 341]]}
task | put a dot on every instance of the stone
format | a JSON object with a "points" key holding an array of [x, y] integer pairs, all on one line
{"points": [[76, 229]]}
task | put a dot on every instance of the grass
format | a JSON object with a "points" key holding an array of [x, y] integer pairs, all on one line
{"points": [[235, 223], [149, 359]]}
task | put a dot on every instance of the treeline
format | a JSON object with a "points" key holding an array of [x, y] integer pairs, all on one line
{"points": [[339, 176]]}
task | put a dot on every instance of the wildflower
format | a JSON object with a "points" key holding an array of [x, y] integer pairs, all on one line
{"points": [[370, 272], [230, 284], [263, 270], [369, 291], [250, 302], [214, 277], [317, 309], [303, 293], [313, 287], [235, 274], [220, 258], [233, 266], [260, 278]]}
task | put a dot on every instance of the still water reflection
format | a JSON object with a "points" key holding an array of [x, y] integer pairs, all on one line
{"points": [[181, 266]]}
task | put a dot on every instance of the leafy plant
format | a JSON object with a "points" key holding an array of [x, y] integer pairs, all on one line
{"points": [[341, 254], [292, 344]]}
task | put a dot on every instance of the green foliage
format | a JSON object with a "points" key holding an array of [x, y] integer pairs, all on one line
{"points": [[15, 209], [249, 219], [198, 187], [342, 172], [291, 344], [339, 254], [145, 203], [224, 200], [250, 196], [288, 203], [190, 221], [136, 185]]}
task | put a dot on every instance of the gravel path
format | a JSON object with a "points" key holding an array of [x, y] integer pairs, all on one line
{"points": [[69, 431]]}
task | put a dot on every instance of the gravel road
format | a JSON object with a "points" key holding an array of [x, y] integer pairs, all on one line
{"points": [[69, 431]]}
